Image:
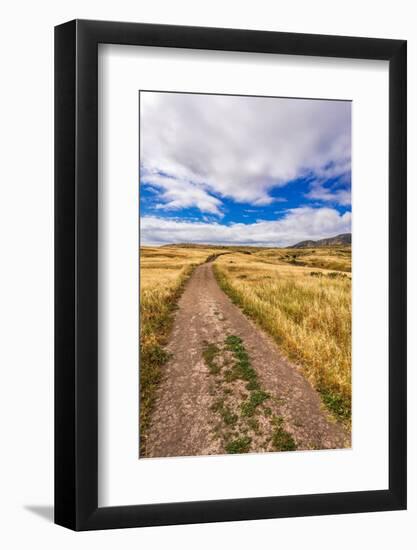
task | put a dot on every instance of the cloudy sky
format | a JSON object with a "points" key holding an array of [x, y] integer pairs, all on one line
{"points": [[243, 170]]}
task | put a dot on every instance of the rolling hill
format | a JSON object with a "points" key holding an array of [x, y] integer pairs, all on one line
{"points": [[343, 239]]}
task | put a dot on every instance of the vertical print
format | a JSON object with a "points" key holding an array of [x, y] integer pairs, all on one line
{"points": [[245, 274]]}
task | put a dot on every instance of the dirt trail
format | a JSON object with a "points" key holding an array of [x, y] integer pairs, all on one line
{"points": [[198, 410]]}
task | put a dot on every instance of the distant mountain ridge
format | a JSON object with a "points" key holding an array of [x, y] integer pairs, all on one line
{"points": [[343, 239]]}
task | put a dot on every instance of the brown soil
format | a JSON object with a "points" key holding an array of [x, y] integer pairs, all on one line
{"points": [[189, 417]]}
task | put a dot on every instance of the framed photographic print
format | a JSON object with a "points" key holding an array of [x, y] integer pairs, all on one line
{"points": [[230, 337]]}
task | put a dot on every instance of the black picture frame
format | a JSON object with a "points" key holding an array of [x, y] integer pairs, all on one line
{"points": [[76, 272]]}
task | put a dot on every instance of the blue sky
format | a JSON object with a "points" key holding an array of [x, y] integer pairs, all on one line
{"points": [[243, 170]]}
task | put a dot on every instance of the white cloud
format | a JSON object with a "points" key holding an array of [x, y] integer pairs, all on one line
{"points": [[298, 224], [238, 147], [338, 196], [177, 193]]}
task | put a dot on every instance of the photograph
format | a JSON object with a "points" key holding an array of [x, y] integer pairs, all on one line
{"points": [[245, 274]]}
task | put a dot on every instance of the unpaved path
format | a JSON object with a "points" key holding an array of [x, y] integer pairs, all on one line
{"points": [[199, 404]]}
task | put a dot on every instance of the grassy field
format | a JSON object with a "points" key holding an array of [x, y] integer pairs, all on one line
{"points": [[302, 298], [163, 272]]}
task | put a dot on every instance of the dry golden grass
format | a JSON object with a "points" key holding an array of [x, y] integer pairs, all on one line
{"points": [[336, 259], [163, 272], [306, 308], [308, 312]]}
